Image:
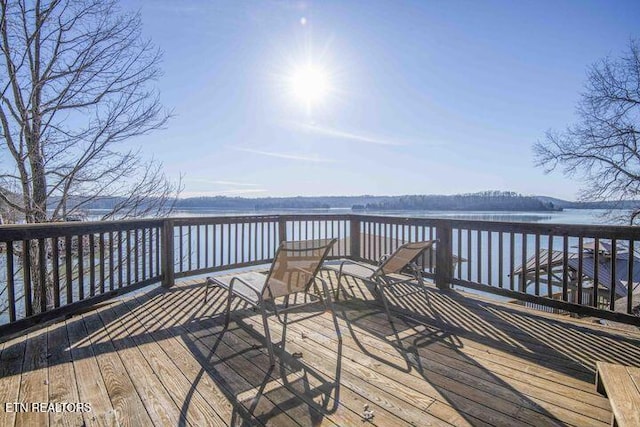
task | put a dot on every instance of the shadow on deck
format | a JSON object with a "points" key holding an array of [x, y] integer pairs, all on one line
{"points": [[159, 358]]}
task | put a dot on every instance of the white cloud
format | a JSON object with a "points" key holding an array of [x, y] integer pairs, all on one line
{"points": [[218, 182], [336, 133], [237, 192], [283, 155]]}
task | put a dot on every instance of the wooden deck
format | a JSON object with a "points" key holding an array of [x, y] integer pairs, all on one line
{"points": [[158, 358]]}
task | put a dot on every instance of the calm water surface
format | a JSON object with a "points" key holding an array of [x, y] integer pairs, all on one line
{"points": [[567, 216]]}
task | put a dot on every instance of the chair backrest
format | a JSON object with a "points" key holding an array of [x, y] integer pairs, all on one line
{"points": [[295, 266], [402, 256]]}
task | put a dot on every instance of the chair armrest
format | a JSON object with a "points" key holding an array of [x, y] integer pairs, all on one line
{"points": [[229, 286], [360, 264], [342, 264], [239, 279]]}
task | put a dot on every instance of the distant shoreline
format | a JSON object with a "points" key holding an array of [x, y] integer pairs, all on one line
{"points": [[484, 201]]}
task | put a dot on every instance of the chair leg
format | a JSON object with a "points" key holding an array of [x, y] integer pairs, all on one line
{"points": [[267, 334], [380, 291], [420, 281], [424, 287], [328, 303], [227, 316], [339, 286]]}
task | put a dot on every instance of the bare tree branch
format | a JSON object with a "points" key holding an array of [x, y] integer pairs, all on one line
{"points": [[77, 81], [602, 147]]}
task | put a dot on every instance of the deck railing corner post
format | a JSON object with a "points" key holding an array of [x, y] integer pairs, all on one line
{"points": [[168, 256], [444, 255], [282, 228], [355, 237]]}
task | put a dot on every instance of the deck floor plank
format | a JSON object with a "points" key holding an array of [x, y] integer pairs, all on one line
{"points": [[159, 404], [369, 372], [357, 388], [243, 376], [34, 383], [197, 410], [190, 366], [555, 342], [228, 380], [385, 395], [355, 392], [160, 357], [450, 311], [128, 407], [445, 370], [91, 386], [62, 384], [597, 412], [352, 398], [11, 361]]}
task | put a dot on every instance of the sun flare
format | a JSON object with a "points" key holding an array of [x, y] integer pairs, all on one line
{"points": [[309, 84]]}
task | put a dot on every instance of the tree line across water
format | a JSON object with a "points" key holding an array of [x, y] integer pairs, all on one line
{"points": [[488, 200]]}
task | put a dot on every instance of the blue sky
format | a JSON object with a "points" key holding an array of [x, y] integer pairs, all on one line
{"points": [[422, 97]]}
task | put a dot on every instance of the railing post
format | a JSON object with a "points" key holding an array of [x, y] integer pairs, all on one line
{"points": [[355, 237], [282, 228], [168, 255], [444, 259]]}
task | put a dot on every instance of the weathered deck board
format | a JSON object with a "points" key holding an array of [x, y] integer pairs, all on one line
{"points": [[352, 396], [159, 357], [184, 359], [384, 394], [205, 339], [449, 370], [620, 384], [34, 383], [399, 383], [62, 384], [128, 407], [91, 386], [160, 407], [557, 343], [529, 386], [198, 412], [11, 360]]}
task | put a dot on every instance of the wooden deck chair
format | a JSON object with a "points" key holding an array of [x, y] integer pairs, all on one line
{"points": [[393, 269], [294, 270]]}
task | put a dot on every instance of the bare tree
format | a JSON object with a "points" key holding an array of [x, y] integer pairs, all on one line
{"points": [[602, 147], [75, 82]]}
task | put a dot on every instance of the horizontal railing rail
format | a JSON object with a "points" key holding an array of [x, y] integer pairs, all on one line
{"points": [[49, 270]]}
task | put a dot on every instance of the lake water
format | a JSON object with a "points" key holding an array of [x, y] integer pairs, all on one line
{"points": [[567, 216]]}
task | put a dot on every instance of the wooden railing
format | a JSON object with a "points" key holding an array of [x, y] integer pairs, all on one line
{"points": [[382, 235], [495, 253], [55, 269], [82, 264], [208, 244]]}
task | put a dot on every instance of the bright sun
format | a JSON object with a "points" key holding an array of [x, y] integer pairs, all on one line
{"points": [[309, 84]]}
